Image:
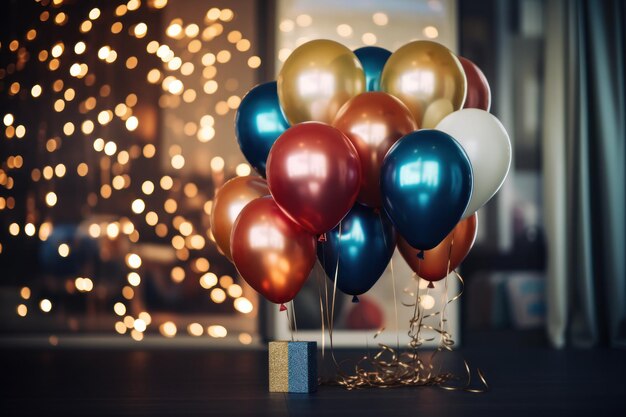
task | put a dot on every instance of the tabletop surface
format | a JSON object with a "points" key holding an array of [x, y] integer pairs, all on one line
{"points": [[527, 382]]}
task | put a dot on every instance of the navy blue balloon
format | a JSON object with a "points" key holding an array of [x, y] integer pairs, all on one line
{"points": [[259, 122], [364, 248], [426, 183], [373, 60]]}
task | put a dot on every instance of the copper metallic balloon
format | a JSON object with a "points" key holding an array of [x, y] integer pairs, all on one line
{"points": [[373, 122], [229, 200], [478, 91], [317, 79], [273, 254], [428, 78], [314, 174], [434, 266]]}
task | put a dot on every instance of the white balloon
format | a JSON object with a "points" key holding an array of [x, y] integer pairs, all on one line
{"points": [[488, 147]]}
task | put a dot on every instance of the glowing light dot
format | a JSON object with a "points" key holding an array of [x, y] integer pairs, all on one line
{"points": [[344, 30], [119, 309], [380, 19], [8, 119], [243, 169], [217, 331], [427, 301], [176, 87], [29, 229], [45, 305], [369, 38], [217, 163], [22, 310], [208, 280], [243, 305], [113, 230], [133, 261], [140, 325], [254, 62], [134, 279], [431, 32], [131, 123], [64, 250], [178, 161], [35, 91], [168, 329], [140, 30], [110, 148], [177, 274], [94, 230], [174, 30], [286, 25], [25, 293], [94, 13], [195, 329], [120, 327], [51, 198], [304, 20], [245, 338], [218, 295]]}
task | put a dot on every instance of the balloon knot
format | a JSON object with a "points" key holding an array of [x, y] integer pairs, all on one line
{"points": [[420, 254], [283, 307], [355, 299], [431, 285], [322, 238]]}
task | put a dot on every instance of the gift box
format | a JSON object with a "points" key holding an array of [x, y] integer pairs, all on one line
{"points": [[293, 367]]}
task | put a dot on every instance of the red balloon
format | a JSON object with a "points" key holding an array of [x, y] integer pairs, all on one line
{"points": [[454, 248], [373, 122], [273, 254], [314, 174], [478, 91]]}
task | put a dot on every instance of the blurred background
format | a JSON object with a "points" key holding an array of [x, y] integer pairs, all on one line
{"points": [[117, 127]]}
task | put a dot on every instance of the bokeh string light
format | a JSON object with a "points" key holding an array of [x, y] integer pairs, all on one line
{"points": [[82, 142]]}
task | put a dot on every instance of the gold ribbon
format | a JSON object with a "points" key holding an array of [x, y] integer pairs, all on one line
{"points": [[393, 368]]}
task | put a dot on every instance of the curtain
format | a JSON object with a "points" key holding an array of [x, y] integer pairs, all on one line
{"points": [[584, 158]]}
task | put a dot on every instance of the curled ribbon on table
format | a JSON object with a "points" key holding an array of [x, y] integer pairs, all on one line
{"points": [[392, 368]]}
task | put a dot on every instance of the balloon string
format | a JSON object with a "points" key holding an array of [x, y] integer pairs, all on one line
{"points": [[295, 321], [395, 303], [319, 290], [442, 317], [290, 324], [393, 283], [332, 313]]}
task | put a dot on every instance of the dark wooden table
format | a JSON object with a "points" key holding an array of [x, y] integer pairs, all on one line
{"points": [[525, 381]]}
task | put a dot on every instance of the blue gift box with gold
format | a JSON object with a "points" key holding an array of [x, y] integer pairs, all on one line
{"points": [[293, 366]]}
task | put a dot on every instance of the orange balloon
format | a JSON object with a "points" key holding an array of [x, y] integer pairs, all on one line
{"points": [[434, 266], [271, 252], [229, 200], [373, 122]]}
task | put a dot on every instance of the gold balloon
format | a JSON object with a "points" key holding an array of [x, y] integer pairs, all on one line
{"points": [[428, 78], [317, 79], [229, 200]]}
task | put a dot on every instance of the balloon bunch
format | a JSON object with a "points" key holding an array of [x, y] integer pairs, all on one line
{"points": [[362, 151]]}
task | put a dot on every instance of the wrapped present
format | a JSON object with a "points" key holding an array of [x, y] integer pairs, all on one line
{"points": [[293, 366]]}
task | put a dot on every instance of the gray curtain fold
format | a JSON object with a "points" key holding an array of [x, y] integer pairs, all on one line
{"points": [[584, 158]]}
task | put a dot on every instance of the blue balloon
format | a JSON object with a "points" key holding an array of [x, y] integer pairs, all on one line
{"points": [[426, 183], [373, 60], [364, 248], [259, 122]]}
